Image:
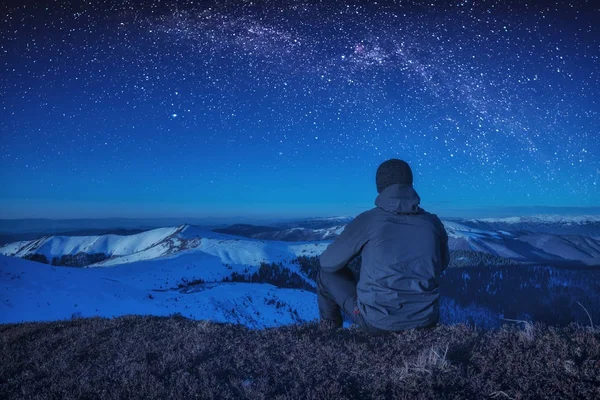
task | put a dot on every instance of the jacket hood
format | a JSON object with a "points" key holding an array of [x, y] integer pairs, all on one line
{"points": [[399, 199]]}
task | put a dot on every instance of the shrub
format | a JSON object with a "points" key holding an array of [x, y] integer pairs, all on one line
{"points": [[185, 282], [310, 266], [36, 257], [80, 259], [275, 274], [468, 258]]}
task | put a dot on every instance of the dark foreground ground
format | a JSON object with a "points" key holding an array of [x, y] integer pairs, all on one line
{"points": [[160, 358]]}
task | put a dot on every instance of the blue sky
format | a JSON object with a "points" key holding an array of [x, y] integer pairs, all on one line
{"points": [[137, 109]]}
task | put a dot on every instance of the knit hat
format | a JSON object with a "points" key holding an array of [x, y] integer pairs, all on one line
{"points": [[391, 172]]}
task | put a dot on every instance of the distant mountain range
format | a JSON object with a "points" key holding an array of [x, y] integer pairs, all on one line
{"points": [[588, 225], [542, 239], [13, 230], [551, 239], [296, 234]]}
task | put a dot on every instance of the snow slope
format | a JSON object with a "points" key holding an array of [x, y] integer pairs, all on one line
{"points": [[31, 291], [568, 247]]}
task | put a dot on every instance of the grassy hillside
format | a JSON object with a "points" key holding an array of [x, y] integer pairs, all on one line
{"points": [[167, 357]]}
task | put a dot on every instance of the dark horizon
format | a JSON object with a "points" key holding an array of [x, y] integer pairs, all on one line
{"points": [[459, 213], [17, 225]]}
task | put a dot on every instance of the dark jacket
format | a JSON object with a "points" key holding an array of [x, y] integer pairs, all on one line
{"points": [[404, 250]]}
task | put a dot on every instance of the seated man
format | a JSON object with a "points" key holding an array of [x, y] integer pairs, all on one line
{"points": [[404, 250]]}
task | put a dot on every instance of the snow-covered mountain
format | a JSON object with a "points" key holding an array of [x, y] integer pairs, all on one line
{"points": [[523, 239], [160, 243], [588, 225]]}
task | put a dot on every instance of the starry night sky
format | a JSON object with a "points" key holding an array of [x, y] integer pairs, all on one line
{"points": [[147, 109]]}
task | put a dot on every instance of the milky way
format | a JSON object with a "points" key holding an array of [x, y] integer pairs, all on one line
{"points": [[280, 105]]}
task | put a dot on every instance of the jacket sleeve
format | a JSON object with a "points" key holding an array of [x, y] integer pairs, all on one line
{"points": [[445, 250], [347, 245]]}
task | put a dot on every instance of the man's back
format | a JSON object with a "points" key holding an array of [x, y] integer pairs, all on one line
{"points": [[401, 262], [404, 250]]}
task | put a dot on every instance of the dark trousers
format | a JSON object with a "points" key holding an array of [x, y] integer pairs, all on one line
{"points": [[336, 292]]}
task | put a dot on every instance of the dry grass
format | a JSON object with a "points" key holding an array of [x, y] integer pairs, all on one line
{"points": [[159, 358]]}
